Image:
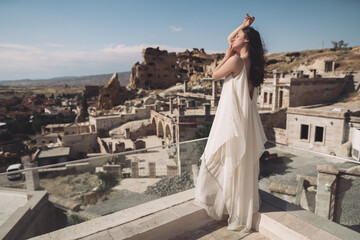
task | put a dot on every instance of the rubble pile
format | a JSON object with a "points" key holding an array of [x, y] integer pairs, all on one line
{"points": [[171, 185]]}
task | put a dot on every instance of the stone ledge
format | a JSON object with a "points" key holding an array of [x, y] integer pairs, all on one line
{"points": [[282, 188], [304, 221], [327, 169], [172, 216], [119, 218], [23, 215]]}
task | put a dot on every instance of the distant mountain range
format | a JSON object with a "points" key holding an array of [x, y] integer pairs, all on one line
{"points": [[101, 80]]}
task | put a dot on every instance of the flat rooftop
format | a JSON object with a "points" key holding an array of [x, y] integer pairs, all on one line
{"points": [[55, 152]]}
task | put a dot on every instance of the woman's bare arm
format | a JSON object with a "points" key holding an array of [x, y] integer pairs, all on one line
{"points": [[229, 64], [247, 22]]}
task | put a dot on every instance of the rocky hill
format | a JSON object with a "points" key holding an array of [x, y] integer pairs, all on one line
{"points": [[345, 59]]}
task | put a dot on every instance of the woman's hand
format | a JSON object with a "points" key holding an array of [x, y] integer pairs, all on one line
{"points": [[229, 52], [248, 20]]}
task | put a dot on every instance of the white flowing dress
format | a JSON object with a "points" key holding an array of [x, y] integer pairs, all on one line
{"points": [[228, 177]]}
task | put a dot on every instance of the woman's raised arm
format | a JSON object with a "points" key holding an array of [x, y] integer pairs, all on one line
{"points": [[247, 22]]}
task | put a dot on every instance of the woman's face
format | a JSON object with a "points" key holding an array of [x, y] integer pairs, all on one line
{"points": [[239, 40]]}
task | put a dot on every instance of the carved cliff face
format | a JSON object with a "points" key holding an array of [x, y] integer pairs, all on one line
{"points": [[161, 69], [112, 94]]}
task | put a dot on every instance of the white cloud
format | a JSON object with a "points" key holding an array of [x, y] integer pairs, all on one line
{"points": [[123, 49], [26, 61], [176, 29], [18, 46]]}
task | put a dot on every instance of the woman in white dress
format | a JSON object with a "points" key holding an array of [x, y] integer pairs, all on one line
{"points": [[228, 178]]}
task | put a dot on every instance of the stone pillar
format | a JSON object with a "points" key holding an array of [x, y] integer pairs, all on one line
{"points": [[326, 190], [32, 177], [207, 109], [313, 73], [333, 66], [181, 109], [127, 133], [214, 91], [186, 85], [275, 103], [134, 169], [111, 147], [152, 170], [301, 74], [171, 106]]}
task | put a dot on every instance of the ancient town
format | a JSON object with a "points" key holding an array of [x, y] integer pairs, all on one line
{"points": [[171, 98]]}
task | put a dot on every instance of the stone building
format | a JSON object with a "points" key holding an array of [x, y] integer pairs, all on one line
{"points": [[326, 128], [80, 137], [105, 123], [180, 123], [161, 69], [68, 128], [303, 87], [81, 144], [53, 133]]}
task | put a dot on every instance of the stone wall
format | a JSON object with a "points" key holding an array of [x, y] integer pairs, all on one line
{"points": [[79, 128], [46, 139], [274, 94], [161, 69], [333, 130], [309, 91], [38, 216], [80, 144], [107, 122], [280, 135], [272, 120]]}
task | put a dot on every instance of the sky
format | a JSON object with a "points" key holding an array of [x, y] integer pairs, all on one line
{"points": [[45, 39]]}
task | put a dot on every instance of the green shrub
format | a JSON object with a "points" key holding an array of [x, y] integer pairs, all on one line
{"points": [[108, 180]]}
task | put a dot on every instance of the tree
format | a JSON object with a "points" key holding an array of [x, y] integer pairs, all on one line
{"points": [[40, 95], [84, 105], [339, 45]]}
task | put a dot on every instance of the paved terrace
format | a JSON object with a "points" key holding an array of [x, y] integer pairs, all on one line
{"points": [[177, 217]]}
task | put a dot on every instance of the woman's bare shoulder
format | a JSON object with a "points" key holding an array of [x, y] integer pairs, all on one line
{"points": [[237, 60]]}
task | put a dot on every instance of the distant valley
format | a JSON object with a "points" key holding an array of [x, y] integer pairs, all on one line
{"points": [[81, 81]]}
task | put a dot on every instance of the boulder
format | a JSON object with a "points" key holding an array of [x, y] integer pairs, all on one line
{"points": [[137, 128], [171, 91], [150, 100]]}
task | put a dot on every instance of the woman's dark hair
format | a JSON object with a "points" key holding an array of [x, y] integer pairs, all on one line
{"points": [[257, 55]]}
